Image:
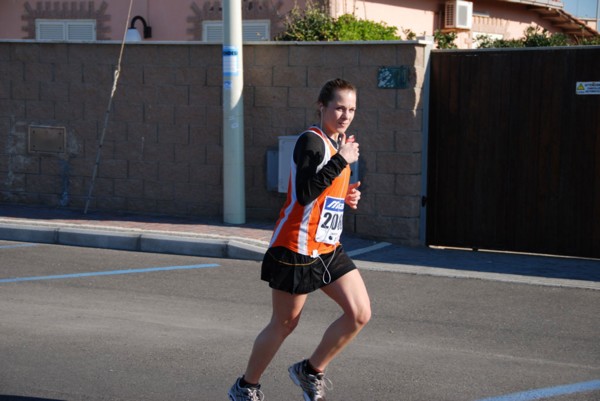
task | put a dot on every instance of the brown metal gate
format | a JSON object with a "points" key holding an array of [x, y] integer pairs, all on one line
{"points": [[514, 151]]}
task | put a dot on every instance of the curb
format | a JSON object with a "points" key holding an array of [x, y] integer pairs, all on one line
{"points": [[134, 241], [190, 244]]}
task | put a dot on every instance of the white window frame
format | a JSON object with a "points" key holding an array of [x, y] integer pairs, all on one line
{"points": [[256, 30], [493, 36], [69, 30]]}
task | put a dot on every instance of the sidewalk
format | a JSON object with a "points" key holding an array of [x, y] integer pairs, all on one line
{"points": [[213, 238]]}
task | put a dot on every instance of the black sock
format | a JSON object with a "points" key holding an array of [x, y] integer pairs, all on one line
{"points": [[308, 368], [245, 384]]}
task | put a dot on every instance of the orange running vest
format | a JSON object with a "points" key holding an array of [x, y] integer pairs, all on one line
{"points": [[297, 228]]}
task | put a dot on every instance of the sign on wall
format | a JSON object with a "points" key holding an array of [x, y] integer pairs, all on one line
{"points": [[588, 88]]}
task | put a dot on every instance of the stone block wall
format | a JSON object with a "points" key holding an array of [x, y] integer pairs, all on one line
{"points": [[162, 152]]}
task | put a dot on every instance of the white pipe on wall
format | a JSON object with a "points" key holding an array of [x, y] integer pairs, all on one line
{"points": [[234, 200]]}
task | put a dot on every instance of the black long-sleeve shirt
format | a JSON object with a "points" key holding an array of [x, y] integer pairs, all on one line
{"points": [[308, 154]]}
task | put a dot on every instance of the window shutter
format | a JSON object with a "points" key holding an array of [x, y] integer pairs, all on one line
{"points": [[254, 30], [81, 31], [50, 30], [213, 32], [65, 30]]}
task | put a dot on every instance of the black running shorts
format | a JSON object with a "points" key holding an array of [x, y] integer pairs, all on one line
{"points": [[300, 274]]}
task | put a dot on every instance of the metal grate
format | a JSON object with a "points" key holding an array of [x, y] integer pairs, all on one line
{"points": [[43, 139]]}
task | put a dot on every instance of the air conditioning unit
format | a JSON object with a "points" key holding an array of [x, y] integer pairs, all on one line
{"points": [[458, 14]]}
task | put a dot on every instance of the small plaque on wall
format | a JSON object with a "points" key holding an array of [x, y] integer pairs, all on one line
{"points": [[393, 77], [44, 139]]}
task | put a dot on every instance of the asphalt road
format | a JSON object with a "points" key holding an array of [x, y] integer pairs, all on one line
{"points": [[79, 324]]}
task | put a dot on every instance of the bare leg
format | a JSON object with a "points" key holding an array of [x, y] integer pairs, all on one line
{"points": [[350, 293], [286, 315]]}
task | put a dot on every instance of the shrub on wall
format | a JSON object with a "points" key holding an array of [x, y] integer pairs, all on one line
{"points": [[534, 36], [445, 40], [348, 27], [313, 23], [308, 25], [595, 41]]}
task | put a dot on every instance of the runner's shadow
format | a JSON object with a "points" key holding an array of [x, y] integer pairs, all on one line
{"points": [[21, 398]]}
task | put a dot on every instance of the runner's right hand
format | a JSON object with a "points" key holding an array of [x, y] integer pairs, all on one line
{"points": [[349, 149]]}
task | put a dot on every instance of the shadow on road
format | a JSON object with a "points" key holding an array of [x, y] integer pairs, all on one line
{"points": [[21, 398], [488, 262]]}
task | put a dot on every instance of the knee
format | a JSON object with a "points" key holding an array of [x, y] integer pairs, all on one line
{"points": [[361, 316], [286, 327], [290, 325]]}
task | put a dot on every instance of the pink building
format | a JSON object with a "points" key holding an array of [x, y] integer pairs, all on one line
{"points": [[197, 20]]}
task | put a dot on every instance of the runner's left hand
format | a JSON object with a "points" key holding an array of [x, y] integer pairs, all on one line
{"points": [[353, 195]]}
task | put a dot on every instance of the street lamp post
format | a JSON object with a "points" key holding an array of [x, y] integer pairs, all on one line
{"points": [[234, 201]]}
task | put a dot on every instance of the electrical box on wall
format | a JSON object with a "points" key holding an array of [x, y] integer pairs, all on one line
{"points": [[286, 149], [284, 156], [43, 139], [458, 14]]}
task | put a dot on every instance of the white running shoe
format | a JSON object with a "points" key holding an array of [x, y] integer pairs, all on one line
{"points": [[313, 386], [239, 393]]}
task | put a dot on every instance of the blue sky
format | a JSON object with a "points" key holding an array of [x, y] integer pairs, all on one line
{"points": [[582, 8]]}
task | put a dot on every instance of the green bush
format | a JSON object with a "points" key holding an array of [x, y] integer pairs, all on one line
{"points": [[534, 36], [310, 25], [538, 37], [595, 41], [314, 24], [486, 42], [445, 40], [348, 27], [410, 35]]}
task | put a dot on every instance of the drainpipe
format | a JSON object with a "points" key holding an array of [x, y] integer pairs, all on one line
{"points": [[234, 201]]}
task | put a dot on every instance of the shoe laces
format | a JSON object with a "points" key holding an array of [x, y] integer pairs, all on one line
{"points": [[255, 395], [259, 396], [320, 383], [250, 393]]}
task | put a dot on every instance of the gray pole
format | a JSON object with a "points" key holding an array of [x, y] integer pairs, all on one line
{"points": [[234, 200], [598, 16]]}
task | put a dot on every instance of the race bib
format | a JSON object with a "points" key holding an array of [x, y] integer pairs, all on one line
{"points": [[331, 221]]}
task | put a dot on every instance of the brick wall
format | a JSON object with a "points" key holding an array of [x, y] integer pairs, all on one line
{"points": [[162, 152]]}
